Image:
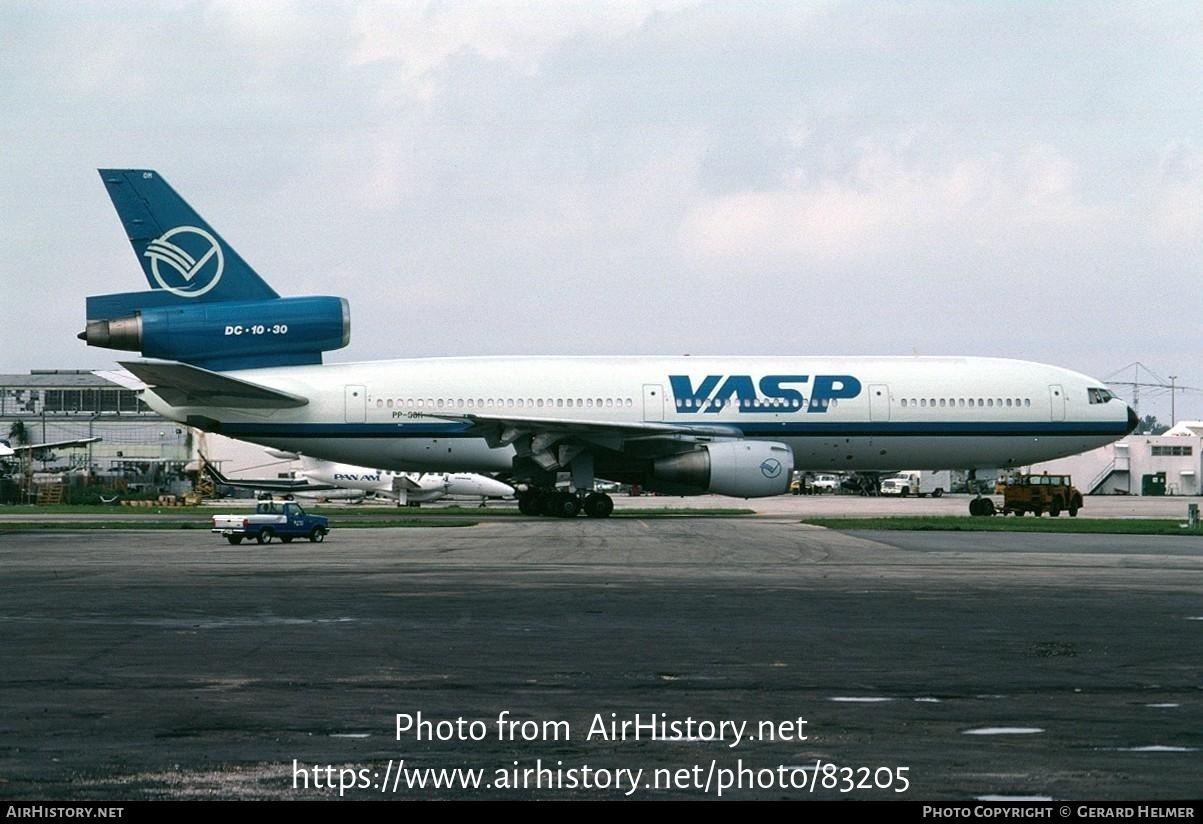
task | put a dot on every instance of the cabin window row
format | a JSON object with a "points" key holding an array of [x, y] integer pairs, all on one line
{"points": [[752, 403], [964, 403], [504, 403]]}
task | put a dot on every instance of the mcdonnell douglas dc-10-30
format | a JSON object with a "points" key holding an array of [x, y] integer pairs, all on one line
{"points": [[232, 356]]}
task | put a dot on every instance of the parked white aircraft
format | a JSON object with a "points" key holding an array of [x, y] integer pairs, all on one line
{"points": [[238, 359], [317, 476], [7, 450], [406, 487]]}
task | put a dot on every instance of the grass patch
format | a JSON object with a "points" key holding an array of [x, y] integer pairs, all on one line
{"points": [[965, 523], [150, 523], [477, 513], [70, 526], [90, 509]]}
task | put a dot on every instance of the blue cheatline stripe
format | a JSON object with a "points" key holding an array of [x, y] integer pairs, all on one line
{"points": [[998, 429], [349, 430]]}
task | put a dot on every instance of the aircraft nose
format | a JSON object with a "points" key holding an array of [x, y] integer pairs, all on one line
{"points": [[1133, 420]]}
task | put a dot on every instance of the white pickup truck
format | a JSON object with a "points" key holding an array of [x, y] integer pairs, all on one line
{"points": [[284, 520]]}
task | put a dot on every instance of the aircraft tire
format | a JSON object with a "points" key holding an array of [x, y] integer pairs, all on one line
{"points": [[981, 507], [546, 501], [598, 505], [529, 504], [565, 505], [562, 504]]}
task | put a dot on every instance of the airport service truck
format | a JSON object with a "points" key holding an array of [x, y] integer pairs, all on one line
{"points": [[272, 519], [918, 482]]}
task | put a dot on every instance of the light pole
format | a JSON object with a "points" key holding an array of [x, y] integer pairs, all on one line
{"points": [[1173, 418]]}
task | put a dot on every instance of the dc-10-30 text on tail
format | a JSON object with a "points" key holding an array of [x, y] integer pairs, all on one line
{"points": [[232, 356]]}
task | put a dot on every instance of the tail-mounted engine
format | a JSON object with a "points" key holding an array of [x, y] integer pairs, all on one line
{"points": [[223, 334], [206, 305]]}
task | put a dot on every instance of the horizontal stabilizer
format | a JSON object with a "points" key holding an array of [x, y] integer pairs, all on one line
{"points": [[121, 378], [182, 385]]}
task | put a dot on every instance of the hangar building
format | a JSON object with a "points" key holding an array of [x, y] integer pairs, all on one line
{"points": [[1168, 464], [138, 445]]}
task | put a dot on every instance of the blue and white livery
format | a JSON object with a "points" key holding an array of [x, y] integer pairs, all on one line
{"points": [[236, 358]]}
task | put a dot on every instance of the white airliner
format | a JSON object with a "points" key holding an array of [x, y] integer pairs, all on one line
{"points": [[406, 487], [318, 476], [236, 358]]}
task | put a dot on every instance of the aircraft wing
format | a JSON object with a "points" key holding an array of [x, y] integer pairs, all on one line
{"points": [[6, 450], [183, 385], [405, 482], [555, 441], [508, 425]]}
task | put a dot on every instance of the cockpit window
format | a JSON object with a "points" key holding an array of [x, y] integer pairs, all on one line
{"points": [[1099, 395]]}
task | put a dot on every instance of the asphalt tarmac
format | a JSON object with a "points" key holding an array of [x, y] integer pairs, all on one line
{"points": [[933, 666]]}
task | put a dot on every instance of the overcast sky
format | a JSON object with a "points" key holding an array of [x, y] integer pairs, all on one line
{"points": [[1013, 179]]}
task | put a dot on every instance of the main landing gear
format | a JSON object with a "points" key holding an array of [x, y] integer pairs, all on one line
{"points": [[561, 503]]}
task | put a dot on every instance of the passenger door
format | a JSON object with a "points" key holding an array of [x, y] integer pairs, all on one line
{"points": [[356, 398], [1056, 400]]}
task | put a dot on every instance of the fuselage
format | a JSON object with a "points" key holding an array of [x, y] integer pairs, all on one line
{"points": [[839, 413]]}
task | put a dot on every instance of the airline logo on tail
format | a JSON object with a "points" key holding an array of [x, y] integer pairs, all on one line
{"points": [[192, 254]]}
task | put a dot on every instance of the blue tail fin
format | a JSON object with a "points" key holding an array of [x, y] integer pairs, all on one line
{"points": [[179, 252], [205, 306]]}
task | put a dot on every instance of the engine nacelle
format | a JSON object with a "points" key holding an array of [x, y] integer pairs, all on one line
{"points": [[740, 469], [230, 334]]}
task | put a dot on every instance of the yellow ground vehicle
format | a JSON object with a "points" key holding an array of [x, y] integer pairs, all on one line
{"points": [[1037, 494], [1042, 493]]}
